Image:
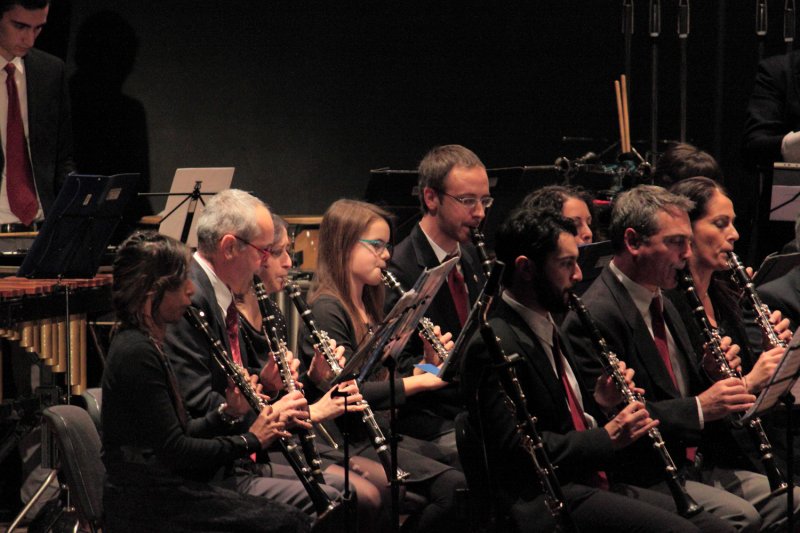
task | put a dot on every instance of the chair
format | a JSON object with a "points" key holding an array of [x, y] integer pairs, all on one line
{"points": [[94, 401], [79, 459]]}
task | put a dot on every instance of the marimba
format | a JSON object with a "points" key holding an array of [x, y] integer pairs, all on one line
{"points": [[49, 317]]}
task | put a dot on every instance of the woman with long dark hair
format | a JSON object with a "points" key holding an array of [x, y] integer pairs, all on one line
{"points": [[158, 460]]}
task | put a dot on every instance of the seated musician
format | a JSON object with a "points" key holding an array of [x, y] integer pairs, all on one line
{"points": [[651, 235], [454, 197], [234, 233], [579, 433], [347, 302], [158, 458], [712, 219], [573, 203], [372, 488]]}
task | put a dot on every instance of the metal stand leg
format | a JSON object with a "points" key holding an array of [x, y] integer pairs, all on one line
{"points": [[38, 494]]}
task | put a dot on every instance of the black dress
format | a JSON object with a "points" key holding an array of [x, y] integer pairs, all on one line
{"points": [[159, 462]]}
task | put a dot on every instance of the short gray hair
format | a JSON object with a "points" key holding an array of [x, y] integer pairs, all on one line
{"points": [[230, 211], [638, 209]]}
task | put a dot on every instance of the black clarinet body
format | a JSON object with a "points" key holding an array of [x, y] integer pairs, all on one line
{"points": [[321, 342], [479, 241], [278, 348], [777, 482], [685, 504], [745, 284], [319, 498]]}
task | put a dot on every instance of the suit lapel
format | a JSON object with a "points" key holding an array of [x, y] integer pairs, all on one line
{"points": [[205, 299], [532, 351], [646, 350]]}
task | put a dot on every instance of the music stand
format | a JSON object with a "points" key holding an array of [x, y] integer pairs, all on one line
{"points": [[451, 365], [78, 227], [183, 226], [386, 344]]}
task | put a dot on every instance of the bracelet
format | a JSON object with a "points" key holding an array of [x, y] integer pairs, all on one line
{"points": [[246, 444], [225, 417]]}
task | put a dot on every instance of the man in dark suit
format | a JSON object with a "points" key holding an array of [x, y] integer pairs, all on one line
{"points": [[581, 434], [234, 235], [454, 196], [651, 235], [36, 114]]}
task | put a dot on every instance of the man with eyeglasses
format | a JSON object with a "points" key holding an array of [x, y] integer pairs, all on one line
{"points": [[234, 235], [454, 196]]}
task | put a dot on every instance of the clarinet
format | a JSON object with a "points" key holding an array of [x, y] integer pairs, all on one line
{"points": [[745, 284], [425, 326], [686, 506], [322, 343], [480, 245], [319, 498], [278, 349], [777, 482], [525, 422]]}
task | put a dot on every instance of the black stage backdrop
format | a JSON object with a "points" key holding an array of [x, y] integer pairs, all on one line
{"points": [[304, 97]]}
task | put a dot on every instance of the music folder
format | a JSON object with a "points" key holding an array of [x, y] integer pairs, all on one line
{"points": [[391, 336], [78, 226], [784, 379]]}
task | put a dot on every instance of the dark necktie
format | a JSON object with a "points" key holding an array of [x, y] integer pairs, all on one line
{"points": [[232, 326], [19, 186], [458, 290], [598, 479], [660, 336]]}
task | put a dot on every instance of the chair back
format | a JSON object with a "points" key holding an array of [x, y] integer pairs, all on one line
{"points": [[79, 458]]}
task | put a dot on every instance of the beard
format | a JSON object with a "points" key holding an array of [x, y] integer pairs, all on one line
{"points": [[550, 297]]}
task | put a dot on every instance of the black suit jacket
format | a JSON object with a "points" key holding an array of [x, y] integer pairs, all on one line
{"points": [[627, 335], [413, 255], [783, 294], [576, 454], [430, 414], [201, 380], [49, 123], [773, 110]]}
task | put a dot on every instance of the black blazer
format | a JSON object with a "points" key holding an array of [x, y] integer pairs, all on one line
{"points": [[773, 110], [576, 454], [201, 380], [626, 333], [413, 255], [49, 123], [783, 294]]}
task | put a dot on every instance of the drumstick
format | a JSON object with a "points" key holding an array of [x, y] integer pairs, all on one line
{"points": [[619, 116], [625, 114]]}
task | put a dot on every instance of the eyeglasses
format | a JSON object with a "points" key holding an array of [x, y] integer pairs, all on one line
{"points": [[377, 245], [470, 202], [265, 252]]}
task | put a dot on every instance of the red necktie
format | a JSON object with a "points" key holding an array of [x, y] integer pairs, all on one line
{"points": [[599, 479], [232, 325], [660, 338], [19, 186], [458, 290]]}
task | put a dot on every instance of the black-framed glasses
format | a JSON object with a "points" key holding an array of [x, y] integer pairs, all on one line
{"points": [[264, 252], [377, 245], [471, 202]]}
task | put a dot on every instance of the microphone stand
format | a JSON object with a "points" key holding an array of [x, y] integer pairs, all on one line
{"points": [[789, 25], [761, 26], [627, 31], [683, 37], [654, 28]]}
